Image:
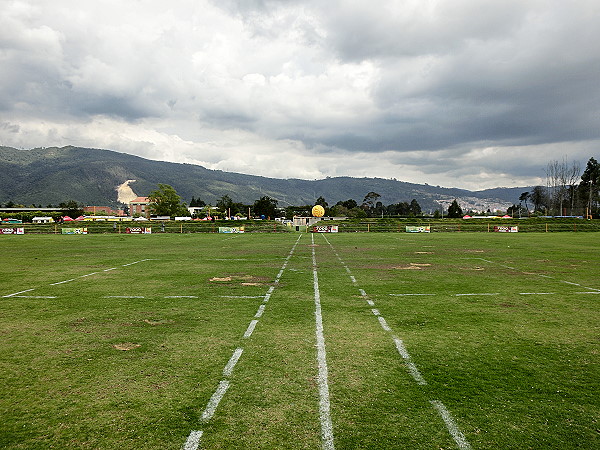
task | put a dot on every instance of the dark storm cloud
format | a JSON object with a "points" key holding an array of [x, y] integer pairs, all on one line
{"points": [[460, 90]]}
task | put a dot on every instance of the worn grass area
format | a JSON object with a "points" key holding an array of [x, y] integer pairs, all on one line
{"points": [[126, 351]]}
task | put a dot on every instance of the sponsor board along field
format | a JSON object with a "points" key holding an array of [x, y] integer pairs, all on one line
{"points": [[300, 341]]}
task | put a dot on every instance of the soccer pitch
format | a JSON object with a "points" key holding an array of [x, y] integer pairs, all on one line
{"points": [[289, 340]]}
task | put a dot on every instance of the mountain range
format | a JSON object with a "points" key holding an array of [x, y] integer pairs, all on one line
{"points": [[51, 175]]}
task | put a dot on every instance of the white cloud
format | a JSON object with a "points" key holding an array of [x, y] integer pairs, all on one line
{"points": [[457, 93]]}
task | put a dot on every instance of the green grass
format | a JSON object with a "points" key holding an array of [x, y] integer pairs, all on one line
{"points": [[514, 370]]}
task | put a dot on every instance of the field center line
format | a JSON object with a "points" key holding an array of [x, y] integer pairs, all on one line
{"points": [[456, 434], [17, 293], [324, 405], [193, 440]]}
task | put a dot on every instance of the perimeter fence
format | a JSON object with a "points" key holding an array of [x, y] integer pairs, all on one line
{"points": [[364, 226]]}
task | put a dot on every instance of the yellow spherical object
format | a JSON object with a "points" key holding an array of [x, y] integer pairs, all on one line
{"points": [[318, 211]]}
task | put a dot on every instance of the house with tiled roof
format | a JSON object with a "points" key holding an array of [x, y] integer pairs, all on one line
{"points": [[139, 206]]}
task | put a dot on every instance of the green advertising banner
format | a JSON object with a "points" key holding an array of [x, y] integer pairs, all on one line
{"points": [[74, 231], [413, 229]]}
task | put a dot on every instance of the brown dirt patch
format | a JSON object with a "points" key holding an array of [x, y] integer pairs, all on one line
{"points": [[157, 322], [125, 346]]}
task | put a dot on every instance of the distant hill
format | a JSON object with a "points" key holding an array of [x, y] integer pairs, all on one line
{"points": [[91, 176]]}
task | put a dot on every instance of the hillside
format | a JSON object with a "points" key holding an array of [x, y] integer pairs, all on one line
{"points": [[91, 176]]}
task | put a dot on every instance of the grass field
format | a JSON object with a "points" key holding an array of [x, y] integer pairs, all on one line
{"points": [[458, 340]]}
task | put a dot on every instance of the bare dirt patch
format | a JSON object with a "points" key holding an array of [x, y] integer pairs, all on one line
{"points": [[244, 280], [157, 322], [125, 346]]}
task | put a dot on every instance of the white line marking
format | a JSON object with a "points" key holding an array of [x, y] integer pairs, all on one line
{"points": [[108, 270], [483, 293], [227, 371], [537, 293], [62, 282], [137, 262], [124, 296], [362, 292], [193, 440], [181, 296], [17, 293], [49, 296], [587, 292], [353, 279], [401, 349], [459, 438], [261, 310], [412, 368], [370, 302], [375, 311], [240, 296], [211, 407], [574, 284], [407, 295], [250, 329], [89, 274], [324, 405], [384, 324]]}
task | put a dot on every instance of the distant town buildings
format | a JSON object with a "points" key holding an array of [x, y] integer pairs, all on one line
{"points": [[139, 206]]}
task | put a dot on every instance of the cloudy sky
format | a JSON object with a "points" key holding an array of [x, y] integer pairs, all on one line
{"points": [[457, 93]]}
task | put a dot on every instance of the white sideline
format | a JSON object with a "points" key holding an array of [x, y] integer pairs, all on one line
{"points": [[384, 324], [211, 407], [62, 282], [324, 405], [261, 310], [17, 293], [250, 329], [456, 434], [228, 370], [193, 440], [412, 368]]}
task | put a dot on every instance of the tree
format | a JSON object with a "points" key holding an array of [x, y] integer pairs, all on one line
{"points": [[523, 198], [166, 202], [538, 197], [590, 184], [266, 207], [197, 202], [348, 204], [415, 208], [370, 199], [71, 208], [225, 204], [454, 210], [321, 201]]}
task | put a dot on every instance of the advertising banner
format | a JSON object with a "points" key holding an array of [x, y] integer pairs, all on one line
{"points": [[74, 231], [498, 229], [12, 230], [325, 229], [413, 229], [138, 230], [231, 229]]}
